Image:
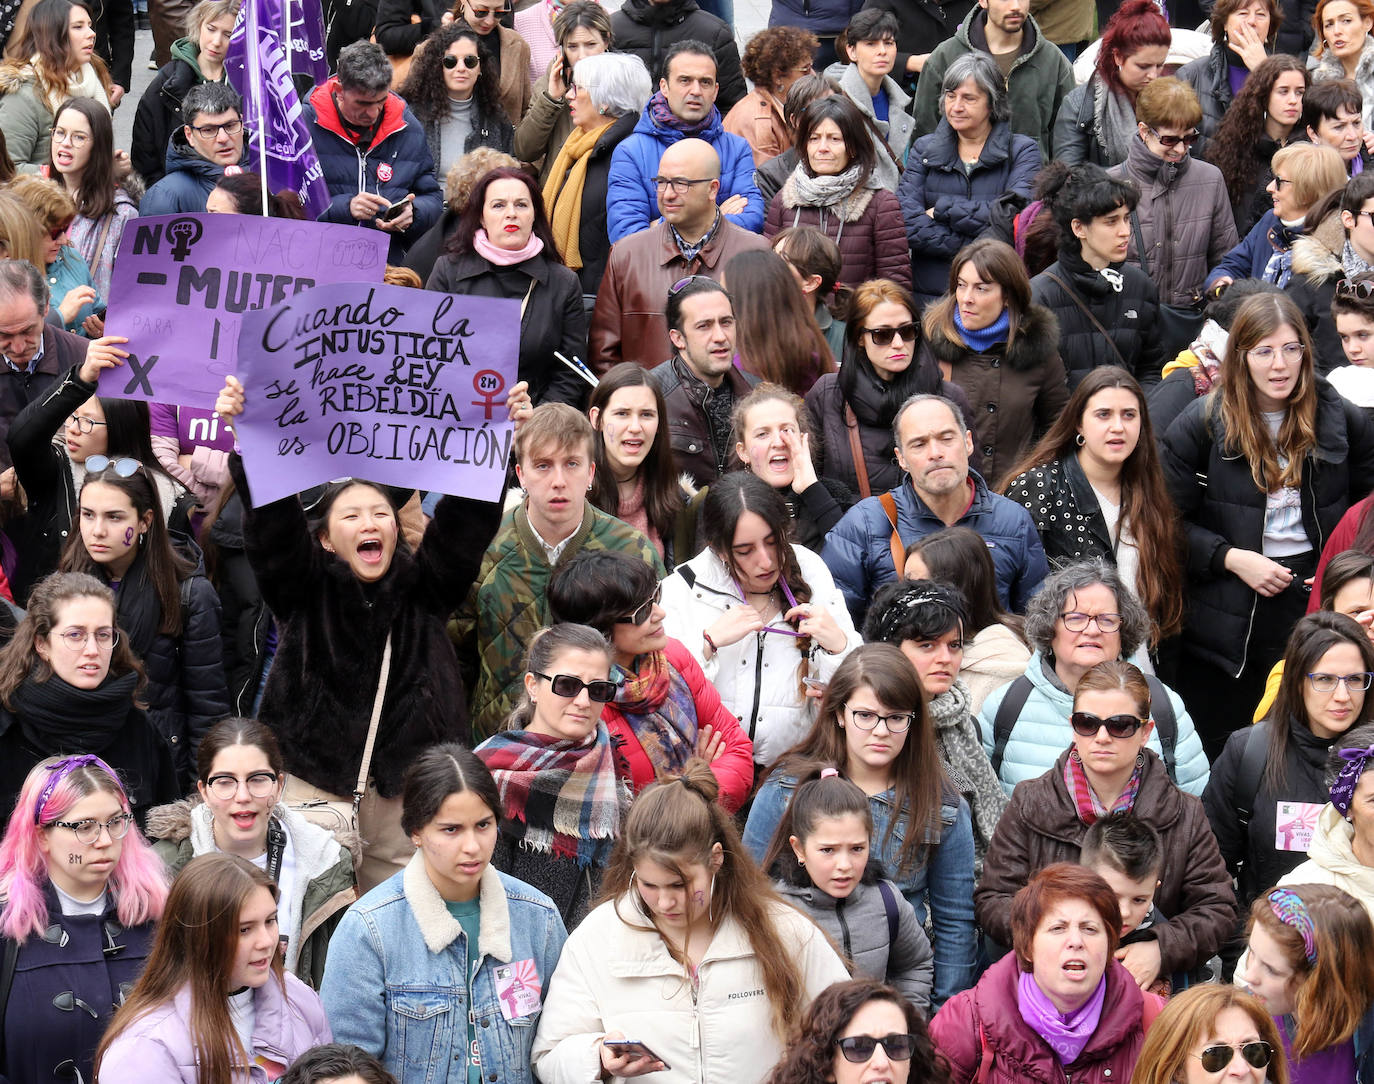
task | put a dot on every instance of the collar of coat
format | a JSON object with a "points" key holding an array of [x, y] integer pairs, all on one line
{"points": [[1037, 341], [1159, 802], [529, 541], [709, 256], [440, 929], [1317, 254], [942, 151]]}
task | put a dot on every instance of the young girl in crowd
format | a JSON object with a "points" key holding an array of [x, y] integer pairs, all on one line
{"points": [[689, 924], [819, 861], [1307, 959], [213, 1002], [238, 810], [483, 944], [1210, 1033], [165, 605], [873, 725], [759, 614], [563, 795], [82, 893]]}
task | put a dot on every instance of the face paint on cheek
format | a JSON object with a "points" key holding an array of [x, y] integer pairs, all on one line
{"points": [[699, 897], [73, 860], [128, 536]]}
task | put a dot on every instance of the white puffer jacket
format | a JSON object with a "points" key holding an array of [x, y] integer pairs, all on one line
{"points": [[615, 977], [757, 677]]}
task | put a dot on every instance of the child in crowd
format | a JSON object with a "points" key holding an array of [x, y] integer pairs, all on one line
{"points": [[1352, 310], [1128, 854]]}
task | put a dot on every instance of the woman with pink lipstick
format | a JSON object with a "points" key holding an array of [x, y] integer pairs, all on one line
{"points": [[214, 1003], [1283, 456], [1345, 48]]}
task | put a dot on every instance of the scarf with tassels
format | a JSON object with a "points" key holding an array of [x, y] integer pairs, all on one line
{"points": [[659, 707], [563, 191], [558, 797], [1085, 799]]}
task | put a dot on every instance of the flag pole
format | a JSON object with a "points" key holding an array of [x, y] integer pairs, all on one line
{"points": [[260, 84]]}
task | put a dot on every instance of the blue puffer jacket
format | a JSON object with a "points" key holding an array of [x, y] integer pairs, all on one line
{"points": [[858, 549], [1249, 258], [631, 199], [1042, 732], [935, 178], [397, 162], [188, 181], [824, 18], [399, 981]]}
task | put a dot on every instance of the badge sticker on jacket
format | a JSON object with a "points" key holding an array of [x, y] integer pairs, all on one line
{"points": [[1294, 823], [384, 172], [518, 989]]}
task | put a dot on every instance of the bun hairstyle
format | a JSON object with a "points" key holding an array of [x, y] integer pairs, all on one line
{"points": [[821, 793]]}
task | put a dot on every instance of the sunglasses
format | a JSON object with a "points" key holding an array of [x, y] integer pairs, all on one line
{"points": [[641, 615], [1085, 724], [124, 467], [599, 692], [682, 284], [469, 61], [1216, 1058], [881, 336], [897, 1046], [1187, 138], [1361, 288]]}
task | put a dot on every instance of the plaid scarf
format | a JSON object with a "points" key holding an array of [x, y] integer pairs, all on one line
{"points": [[658, 705], [1085, 799], [558, 798]]}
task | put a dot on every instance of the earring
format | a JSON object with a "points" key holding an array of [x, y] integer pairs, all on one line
{"points": [[711, 900], [142, 535], [1139, 760], [1078, 440]]}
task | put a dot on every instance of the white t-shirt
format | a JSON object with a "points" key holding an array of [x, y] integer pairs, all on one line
{"points": [[244, 1016], [1127, 564], [1284, 534], [73, 906], [287, 920]]}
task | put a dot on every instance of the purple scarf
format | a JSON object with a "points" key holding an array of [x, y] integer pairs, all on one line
{"points": [[1066, 1035], [662, 115]]}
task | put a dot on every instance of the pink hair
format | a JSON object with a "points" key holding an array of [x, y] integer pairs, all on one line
{"points": [[139, 879]]}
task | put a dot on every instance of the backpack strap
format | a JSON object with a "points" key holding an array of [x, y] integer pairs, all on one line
{"points": [[1120, 358], [1008, 711], [1252, 760], [1166, 724], [889, 503], [890, 906]]}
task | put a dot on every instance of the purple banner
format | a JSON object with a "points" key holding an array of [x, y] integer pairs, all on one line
{"points": [[258, 69], [305, 38], [398, 386], [183, 282]]}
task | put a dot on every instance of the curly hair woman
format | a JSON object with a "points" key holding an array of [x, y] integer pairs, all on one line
{"points": [[773, 60]]}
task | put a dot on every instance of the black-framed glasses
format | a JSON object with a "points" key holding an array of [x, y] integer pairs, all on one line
{"points": [[1360, 288], [1188, 138], [896, 723], [641, 614], [212, 131], [599, 692], [225, 786], [679, 185], [77, 639], [881, 336], [88, 831], [1257, 1055], [1279, 182], [1085, 724], [858, 1049], [1326, 683], [123, 466], [469, 61], [84, 424], [1077, 622]]}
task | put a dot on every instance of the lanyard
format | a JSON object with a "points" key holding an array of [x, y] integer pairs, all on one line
{"points": [[791, 605]]}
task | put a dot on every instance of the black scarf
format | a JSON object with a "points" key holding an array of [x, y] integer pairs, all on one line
{"points": [[56, 717], [138, 607]]}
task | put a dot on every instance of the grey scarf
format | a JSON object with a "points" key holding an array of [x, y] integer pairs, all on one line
{"points": [[825, 191], [961, 750], [1113, 121]]}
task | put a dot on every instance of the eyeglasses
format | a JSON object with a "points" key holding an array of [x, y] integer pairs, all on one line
{"points": [[679, 185], [859, 1048], [212, 131], [897, 722], [1326, 683], [225, 787], [1086, 725], [1188, 138], [1216, 1058], [85, 425], [881, 336], [1265, 354], [124, 466], [76, 639], [88, 831], [487, 13], [1361, 288], [599, 692], [76, 139], [641, 615], [1077, 622], [469, 61], [1279, 182]]}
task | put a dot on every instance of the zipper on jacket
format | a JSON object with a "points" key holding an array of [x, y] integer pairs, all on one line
{"points": [[844, 930], [758, 684]]}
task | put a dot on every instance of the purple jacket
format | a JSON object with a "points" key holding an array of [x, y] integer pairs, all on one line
{"points": [[158, 1045]]}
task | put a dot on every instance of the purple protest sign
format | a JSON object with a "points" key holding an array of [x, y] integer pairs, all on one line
{"points": [[402, 387], [183, 282]]}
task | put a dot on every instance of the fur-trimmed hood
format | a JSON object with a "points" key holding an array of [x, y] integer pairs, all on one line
{"points": [[173, 823], [1317, 253], [440, 929], [1036, 342], [849, 209]]}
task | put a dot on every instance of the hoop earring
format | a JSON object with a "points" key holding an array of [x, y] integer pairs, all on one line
{"points": [[1079, 440], [711, 900]]}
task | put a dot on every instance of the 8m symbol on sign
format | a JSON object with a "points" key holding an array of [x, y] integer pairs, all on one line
{"points": [[488, 384]]}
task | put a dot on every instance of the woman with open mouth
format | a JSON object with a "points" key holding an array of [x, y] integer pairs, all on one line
{"points": [[214, 1002], [1108, 769], [1345, 48]]}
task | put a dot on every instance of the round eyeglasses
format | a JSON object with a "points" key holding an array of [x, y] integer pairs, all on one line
{"points": [[1077, 622], [88, 831], [225, 787]]}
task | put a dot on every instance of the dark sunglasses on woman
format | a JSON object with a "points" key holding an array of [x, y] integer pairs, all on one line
{"points": [[859, 1048], [1214, 1059], [881, 336], [599, 692], [1086, 724], [469, 61]]}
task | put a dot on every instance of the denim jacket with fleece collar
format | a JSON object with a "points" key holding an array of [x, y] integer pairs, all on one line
{"points": [[945, 878], [394, 981]]}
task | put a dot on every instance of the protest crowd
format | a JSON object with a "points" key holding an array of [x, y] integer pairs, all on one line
{"points": [[550, 543]]}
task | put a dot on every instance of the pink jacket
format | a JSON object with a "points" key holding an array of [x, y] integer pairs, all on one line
{"points": [[158, 1045], [985, 1023]]}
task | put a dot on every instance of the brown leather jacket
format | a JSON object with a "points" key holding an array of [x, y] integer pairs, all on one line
{"points": [[1041, 826], [628, 323], [701, 450]]}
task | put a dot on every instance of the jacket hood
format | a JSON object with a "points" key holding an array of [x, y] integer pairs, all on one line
{"points": [[973, 33], [1037, 341], [13, 77], [174, 823], [182, 158], [647, 13], [188, 52], [1317, 254], [1333, 849], [327, 114], [646, 125]]}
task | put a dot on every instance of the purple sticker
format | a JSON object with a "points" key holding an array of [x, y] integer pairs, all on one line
{"points": [[398, 386], [183, 282]]}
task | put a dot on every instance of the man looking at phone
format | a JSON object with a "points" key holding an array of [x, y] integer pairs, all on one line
{"points": [[210, 141], [373, 151]]}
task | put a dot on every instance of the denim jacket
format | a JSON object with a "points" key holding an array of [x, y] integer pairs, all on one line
{"points": [[394, 981], [945, 880]]}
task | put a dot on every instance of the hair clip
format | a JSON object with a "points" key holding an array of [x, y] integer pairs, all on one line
{"points": [[829, 773], [1289, 909]]}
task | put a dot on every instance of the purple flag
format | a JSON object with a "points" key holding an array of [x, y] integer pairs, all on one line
{"points": [[305, 39], [259, 71]]}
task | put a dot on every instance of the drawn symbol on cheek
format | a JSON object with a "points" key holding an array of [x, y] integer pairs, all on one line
{"points": [[698, 897], [73, 860], [128, 536]]}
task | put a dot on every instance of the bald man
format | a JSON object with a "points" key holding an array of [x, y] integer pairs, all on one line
{"points": [[693, 237]]}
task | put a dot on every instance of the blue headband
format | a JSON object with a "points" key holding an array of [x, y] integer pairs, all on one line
{"points": [[1289, 909]]}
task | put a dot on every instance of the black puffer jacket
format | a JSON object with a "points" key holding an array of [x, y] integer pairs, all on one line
{"points": [[1221, 507], [1130, 315], [244, 619], [159, 115], [332, 629], [647, 30]]}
